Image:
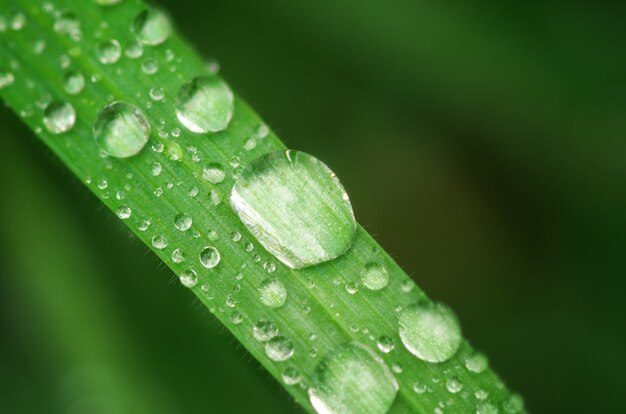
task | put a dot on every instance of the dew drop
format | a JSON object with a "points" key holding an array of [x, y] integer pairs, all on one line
{"points": [[73, 83], [178, 256], [352, 379], [124, 212], [295, 207], [291, 376], [430, 331], [204, 104], [152, 27], [214, 173], [375, 276], [134, 50], [189, 278], [209, 257], [157, 94], [486, 408], [59, 117], [476, 363], [183, 222], [272, 293], [454, 385], [149, 66], [109, 52], [385, 344], [159, 242], [121, 129], [514, 404], [279, 349], [156, 168], [264, 330], [6, 79]]}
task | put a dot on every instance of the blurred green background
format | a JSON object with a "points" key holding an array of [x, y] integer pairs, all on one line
{"points": [[483, 143]]}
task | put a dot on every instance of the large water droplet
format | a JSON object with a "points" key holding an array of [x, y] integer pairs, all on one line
{"points": [[121, 129], [209, 257], [188, 278], [279, 349], [152, 27], [375, 276], [430, 331], [204, 104], [272, 293], [352, 379], [296, 208], [183, 222], [59, 117]]}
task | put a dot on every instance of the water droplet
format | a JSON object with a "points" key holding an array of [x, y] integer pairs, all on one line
{"points": [[204, 104], [149, 66], [419, 388], [156, 168], [261, 131], [454, 385], [109, 52], [134, 50], [74, 82], [514, 404], [352, 379], [430, 331], [209, 257], [6, 79], [183, 222], [279, 349], [214, 172], [295, 207], [178, 256], [236, 317], [18, 21], [291, 376], [67, 24], [143, 226], [121, 129], [476, 363], [351, 288], [107, 2], [272, 293], [159, 242], [157, 94], [189, 278], [264, 330], [486, 408], [124, 212], [59, 117], [152, 27], [385, 344], [375, 276], [249, 144]]}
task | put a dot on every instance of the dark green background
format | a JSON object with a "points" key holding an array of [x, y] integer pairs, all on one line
{"points": [[482, 143]]}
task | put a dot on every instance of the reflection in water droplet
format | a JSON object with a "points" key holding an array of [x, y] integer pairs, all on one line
{"points": [[430, 331], [272, 293], [204, 104], [209, 257], [121, 129], [295, 207], [352, 379], [279, 349], [152, 27], [59, 117]]}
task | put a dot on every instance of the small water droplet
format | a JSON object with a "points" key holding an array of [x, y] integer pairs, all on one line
{"points": [[18, 20], [204, 104], [152, 27], [149, 66], [454, 385], [272, 293], [291, 376], [352, 379], [264, 330], [486, 408], [124, 212], [143, 226], [156, 168], [476, 363], [6, 79], [67, 24], [183, 222], [74, 82], [209, 257], [385, 344], [419, 388], [214, 173], [107, 2], [59, 117], [430, 331], [351, 288], [157, 94], [109, 52], [295, 207], [279, 348], [178, 256], [514, 404], [159, 242], [134, 50], [375, 276], [189, 278], [121, 129]]}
